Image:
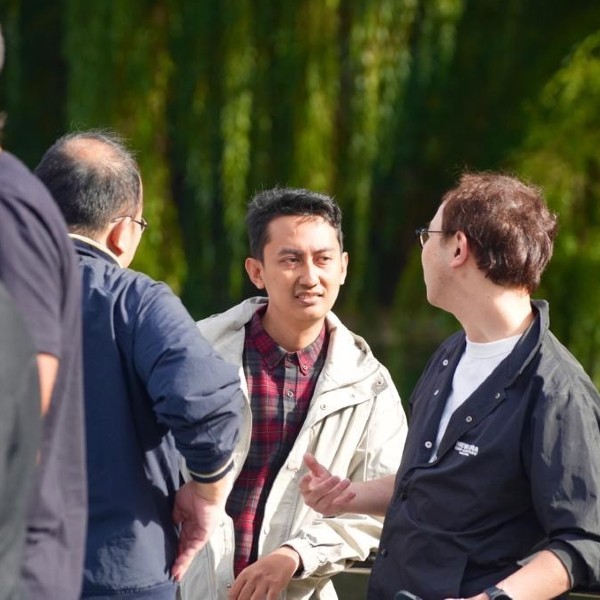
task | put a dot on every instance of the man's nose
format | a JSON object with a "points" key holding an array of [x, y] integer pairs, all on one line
{"points": [[310, 274]]}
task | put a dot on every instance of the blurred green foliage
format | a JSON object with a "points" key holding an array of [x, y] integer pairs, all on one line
{"points": [[378, 102]]}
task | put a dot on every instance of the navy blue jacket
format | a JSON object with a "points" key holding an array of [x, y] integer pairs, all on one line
{"points": [[153, 387], [518, 469]]}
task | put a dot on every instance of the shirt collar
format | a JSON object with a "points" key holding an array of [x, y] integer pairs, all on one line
{"points": [[95, 244], [273, 353]]}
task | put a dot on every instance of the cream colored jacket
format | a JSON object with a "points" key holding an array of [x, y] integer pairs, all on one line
{"points": [[355, 427]]}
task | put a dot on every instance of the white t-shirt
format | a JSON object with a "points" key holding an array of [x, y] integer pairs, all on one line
{"points": [[475, 366]]}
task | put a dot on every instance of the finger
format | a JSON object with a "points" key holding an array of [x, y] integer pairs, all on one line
{"points": [[331, 489], [187, 550], [315, 466], [317, 489], [181, 564], [331, 503], [272, 594], [342, 500], [260, 592], [242, 588], [305, 483], [318, 497], [327, 487], [342, 486], [238, 586], [179, 567]]}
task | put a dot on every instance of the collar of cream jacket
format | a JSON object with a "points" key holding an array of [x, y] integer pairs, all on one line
{"points": [[349, 359]]}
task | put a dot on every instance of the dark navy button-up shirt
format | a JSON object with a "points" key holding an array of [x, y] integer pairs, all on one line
{"points": [[154, 389], [517, 470]]}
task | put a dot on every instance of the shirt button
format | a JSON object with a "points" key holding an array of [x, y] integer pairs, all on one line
{"points": [[445, 362], [469, 419], [436, 392], [383, 552], [323, 406], [290, 393], [428, 445], [497, 395]]}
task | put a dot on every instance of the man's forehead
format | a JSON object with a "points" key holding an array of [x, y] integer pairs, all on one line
{"points": [[298, 220], [438, 217], [288, 225]]}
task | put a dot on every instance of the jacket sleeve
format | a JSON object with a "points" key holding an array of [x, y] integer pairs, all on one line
{"points": [[195, 394], [327, 544]]}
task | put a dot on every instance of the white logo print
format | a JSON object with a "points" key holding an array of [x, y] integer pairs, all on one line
{"points": [[466, 449]]}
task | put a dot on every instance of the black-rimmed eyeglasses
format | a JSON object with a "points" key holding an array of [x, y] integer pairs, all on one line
{"points": [[423, 234], [141, 221]]}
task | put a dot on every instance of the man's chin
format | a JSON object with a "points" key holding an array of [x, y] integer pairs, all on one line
{"points": [[313, 311]]}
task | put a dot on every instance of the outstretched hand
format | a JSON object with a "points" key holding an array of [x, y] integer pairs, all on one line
{"points": [[198, 508], [322, 491]]}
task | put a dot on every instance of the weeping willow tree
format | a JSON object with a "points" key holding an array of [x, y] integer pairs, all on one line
{"points": [[210, 114], [264, 94], [118, 67], [378, 102], [32, 84], [560, 153], [498, 106], [73, 65]]}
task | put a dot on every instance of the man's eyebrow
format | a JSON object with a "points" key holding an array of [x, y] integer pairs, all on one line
{"points": [[296, 252], [293, 251]]}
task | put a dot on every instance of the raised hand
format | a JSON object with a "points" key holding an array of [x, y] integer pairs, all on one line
{"points": [[324, 492]]}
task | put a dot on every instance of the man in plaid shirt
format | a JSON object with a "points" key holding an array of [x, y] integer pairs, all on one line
{"points": [[312, 386]]}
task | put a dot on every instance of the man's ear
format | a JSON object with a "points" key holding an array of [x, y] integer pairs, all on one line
{"points": [[344, 267], [461, 249], [254, 269], [119, 237]]}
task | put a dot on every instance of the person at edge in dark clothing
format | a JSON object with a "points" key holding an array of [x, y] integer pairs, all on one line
{"points": [[154, 389], [497, 492], [38, 268]]}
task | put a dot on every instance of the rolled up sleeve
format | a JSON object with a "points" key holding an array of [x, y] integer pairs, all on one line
{"points": [[565, 478]]}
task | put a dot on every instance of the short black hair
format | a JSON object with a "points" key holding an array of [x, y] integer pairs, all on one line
{"points": [[93, 178], [277, 202]]}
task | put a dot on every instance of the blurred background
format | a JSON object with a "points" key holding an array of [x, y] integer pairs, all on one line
{"points": [[381, 103]]}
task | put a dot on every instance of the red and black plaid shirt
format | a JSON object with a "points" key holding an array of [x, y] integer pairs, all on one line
{"points": [[280, 387]]}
